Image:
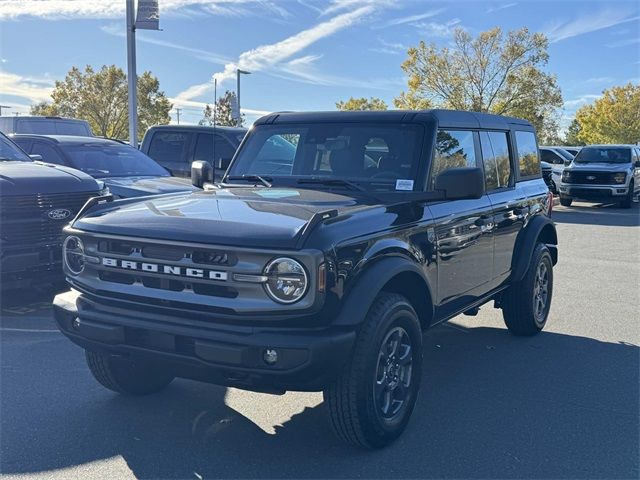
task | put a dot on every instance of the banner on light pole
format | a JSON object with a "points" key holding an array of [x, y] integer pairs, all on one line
{"points": [[148, 15], [235, 111]]}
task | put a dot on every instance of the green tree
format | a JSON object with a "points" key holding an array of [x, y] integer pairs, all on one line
{"points": [[491, 72], [573, 132], [362, 103], [101, 99], [613, 118], [223, 113]]}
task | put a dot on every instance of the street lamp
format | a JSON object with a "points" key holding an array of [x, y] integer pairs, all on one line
{"points": [[238, 73]]}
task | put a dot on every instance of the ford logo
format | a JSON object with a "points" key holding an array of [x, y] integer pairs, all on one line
{"points": [[590, 177], [59, 214]]}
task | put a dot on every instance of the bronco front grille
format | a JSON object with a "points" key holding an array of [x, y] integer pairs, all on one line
{"points": [[185, 257], [25, 220]]}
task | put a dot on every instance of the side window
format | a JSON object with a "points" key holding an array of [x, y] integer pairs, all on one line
{"points": [[48, 153], [528, 161], [169, 146], [224, 150], [549, 156], [454, 149], [497, 162], [204, 147]]}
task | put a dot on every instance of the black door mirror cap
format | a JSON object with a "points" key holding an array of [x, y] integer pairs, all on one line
{"points": [[461, 183]]}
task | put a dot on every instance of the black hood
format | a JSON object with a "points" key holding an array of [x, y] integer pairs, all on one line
{"points": [[127, 187], [249, 217], [24, 178]]}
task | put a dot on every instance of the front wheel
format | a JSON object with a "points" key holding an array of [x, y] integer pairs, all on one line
{"points": [[526, 304], [565, 201], [370, 404], [126, 376], [628, 199]]}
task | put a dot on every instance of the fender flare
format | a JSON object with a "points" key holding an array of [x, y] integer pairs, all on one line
{"points": [[368, 284], [540, 228]]}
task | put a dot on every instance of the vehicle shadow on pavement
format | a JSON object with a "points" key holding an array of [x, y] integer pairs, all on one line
{"points": [[599, 214], [491, 406]]}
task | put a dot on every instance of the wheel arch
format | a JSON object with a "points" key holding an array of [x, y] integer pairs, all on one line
{"points": [[392, 274], [540, 229]]}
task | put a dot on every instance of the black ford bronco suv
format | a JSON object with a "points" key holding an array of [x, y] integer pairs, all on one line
{"points": [[36, 201], [317, 271]]}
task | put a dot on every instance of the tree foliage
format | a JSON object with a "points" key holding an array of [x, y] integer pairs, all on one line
{"points": [[613, 118], [492, 72], [224, 112], [362, 103], [573, 134], [101, 98]]}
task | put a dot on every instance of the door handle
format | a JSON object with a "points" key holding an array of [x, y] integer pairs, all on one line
{"points": [[520, 211], [482, 221]]}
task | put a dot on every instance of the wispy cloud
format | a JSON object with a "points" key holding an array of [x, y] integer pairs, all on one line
{"points": [[97, 9], [437, 29], [205, 55], [35, 89], [599, 80], [500, 7], [391, 48], [624, 43], [581, 100], [269, 56], [588, 23], [336, 6], [412, 18]]}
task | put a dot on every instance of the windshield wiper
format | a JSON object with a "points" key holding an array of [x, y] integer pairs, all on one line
{"points": [[339, 182], [252, 178]]}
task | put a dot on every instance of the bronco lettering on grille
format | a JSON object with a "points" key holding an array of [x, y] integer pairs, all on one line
{"points": [[164, 269]]}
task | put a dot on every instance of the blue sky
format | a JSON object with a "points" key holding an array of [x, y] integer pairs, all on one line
{"points": [[304, 54]]}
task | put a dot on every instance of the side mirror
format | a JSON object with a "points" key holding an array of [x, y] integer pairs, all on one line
{"points": [[36, 158], [567, 163], [637, 164], [461, 183], [201, 173]]}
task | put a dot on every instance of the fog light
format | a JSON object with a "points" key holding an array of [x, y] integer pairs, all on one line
{"points": [[270, 356]]}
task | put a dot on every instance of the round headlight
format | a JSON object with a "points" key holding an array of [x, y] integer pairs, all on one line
{"points": [[73, 255], [286, 280]]}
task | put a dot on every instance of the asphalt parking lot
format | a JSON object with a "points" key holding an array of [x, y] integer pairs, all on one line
{"points": [[564, 404]]}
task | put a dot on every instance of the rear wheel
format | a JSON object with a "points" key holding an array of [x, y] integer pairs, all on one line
{"points": [[628, 199], [126, 376], [526, 304], [371, 402], [565, 201]]}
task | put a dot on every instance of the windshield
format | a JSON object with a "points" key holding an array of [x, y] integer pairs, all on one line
{"points": [[374, 157], [10, 152], [564, 153], [46, 126], [603, 155], [112, 160]]}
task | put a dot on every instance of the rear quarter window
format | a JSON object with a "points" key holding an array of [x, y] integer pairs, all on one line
{"points": [[169, 146], [528, 160]]}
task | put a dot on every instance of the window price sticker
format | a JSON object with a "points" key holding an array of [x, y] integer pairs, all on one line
{"points": [[404, 184]]}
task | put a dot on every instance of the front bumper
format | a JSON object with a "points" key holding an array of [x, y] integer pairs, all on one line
{"points": [[308, 359], [594, 192], [23, 265]]}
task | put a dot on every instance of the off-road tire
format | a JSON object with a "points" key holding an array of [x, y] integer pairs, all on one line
{"points": [[565, 201], [353, 414], [518, 310], [126, 376], [628, 199]]}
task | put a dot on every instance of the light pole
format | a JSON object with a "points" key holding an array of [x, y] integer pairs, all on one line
{"points": [[131, 74], [238, 73]]}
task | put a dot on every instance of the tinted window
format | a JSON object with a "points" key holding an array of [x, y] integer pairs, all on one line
{"points": [[205, 148], [48, 153], [8, 151], [169, 146], [603, 155], [454, 149], [497, 163], [528, 161], [52, 127], [550, 157], [111, 160], [342, 151]]}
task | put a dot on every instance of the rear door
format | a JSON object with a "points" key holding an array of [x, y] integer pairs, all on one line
{"points": [[170, 149], [215, 149], [463, 228]]}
